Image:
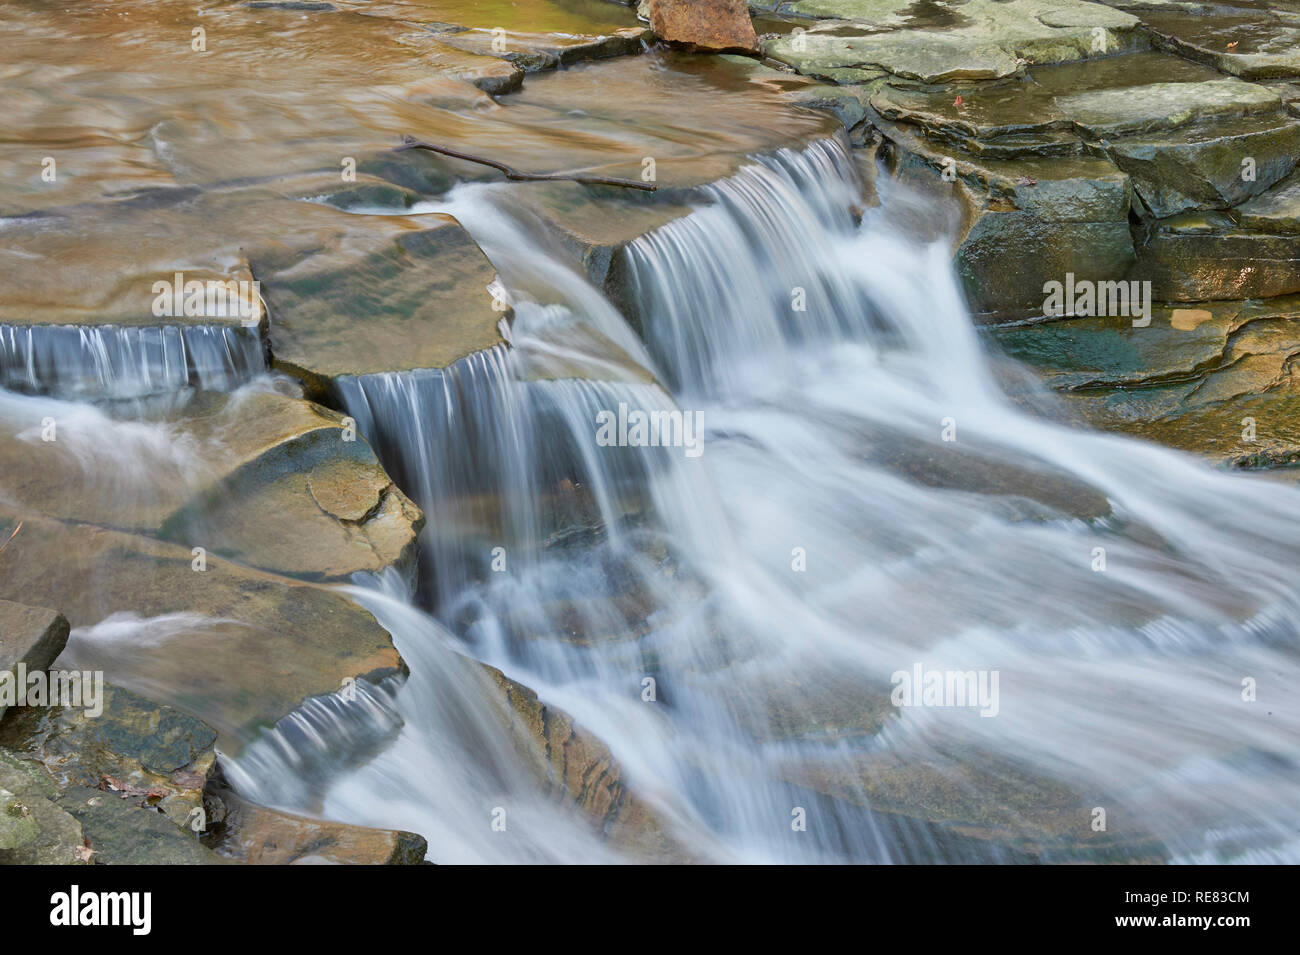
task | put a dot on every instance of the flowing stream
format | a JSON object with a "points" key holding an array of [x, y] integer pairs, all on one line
{"points": [[866, 501]]}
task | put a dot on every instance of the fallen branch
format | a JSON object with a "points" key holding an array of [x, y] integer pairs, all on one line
{"points": [[517, 176]]}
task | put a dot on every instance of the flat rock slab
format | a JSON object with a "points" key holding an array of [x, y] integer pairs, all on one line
{"points": [[532, 52], [412, 293], [917, 55], [1163, 106], [1265, 42], [234, 647], [984, 40]]}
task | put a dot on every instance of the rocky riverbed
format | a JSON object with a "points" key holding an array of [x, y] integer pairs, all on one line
{"points": [[183, 490]]}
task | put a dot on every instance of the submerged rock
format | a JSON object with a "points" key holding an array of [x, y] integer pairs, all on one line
{"points": [[543, 51], [704, 26], [959, 801], [1244, 39]]}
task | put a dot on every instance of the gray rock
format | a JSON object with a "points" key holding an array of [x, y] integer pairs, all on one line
{"points": [[121, 833], [1203, 169], [33, 830], [1275, 211], [1164, 106], [31, 636]]}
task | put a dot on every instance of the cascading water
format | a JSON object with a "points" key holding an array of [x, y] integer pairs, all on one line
{"points": [[127, 361], [827, 538]]}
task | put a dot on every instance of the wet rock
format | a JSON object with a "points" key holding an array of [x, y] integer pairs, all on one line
{"points": [[1218, 379], [704, 26], [1155, 107], [234, 647], [422, 297], [33, 830], [30, 636], [1191, 259], [989, 111], [147, 753], [579, 769], [847, 104], [532, 52], [1276, 211], [984, 40], [1264, 42], [1027, 221], [918, 55], [256, 835], [261, 477], [973, 796], [1203, 169], [314, 504], [120, 833], [592, 228], [1007, 257]]}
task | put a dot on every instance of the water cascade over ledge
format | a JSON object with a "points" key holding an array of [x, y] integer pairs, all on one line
{"points": [[868, 503]]}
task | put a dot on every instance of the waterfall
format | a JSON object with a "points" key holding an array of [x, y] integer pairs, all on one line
{"points": [[868, 503], [127, 361]]}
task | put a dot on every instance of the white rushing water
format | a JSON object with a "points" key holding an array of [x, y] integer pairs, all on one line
{"points": [[124, 361], [827, 538]]}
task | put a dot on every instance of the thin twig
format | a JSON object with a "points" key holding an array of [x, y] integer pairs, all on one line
{"points": [[516, 175], [12, 536]]}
